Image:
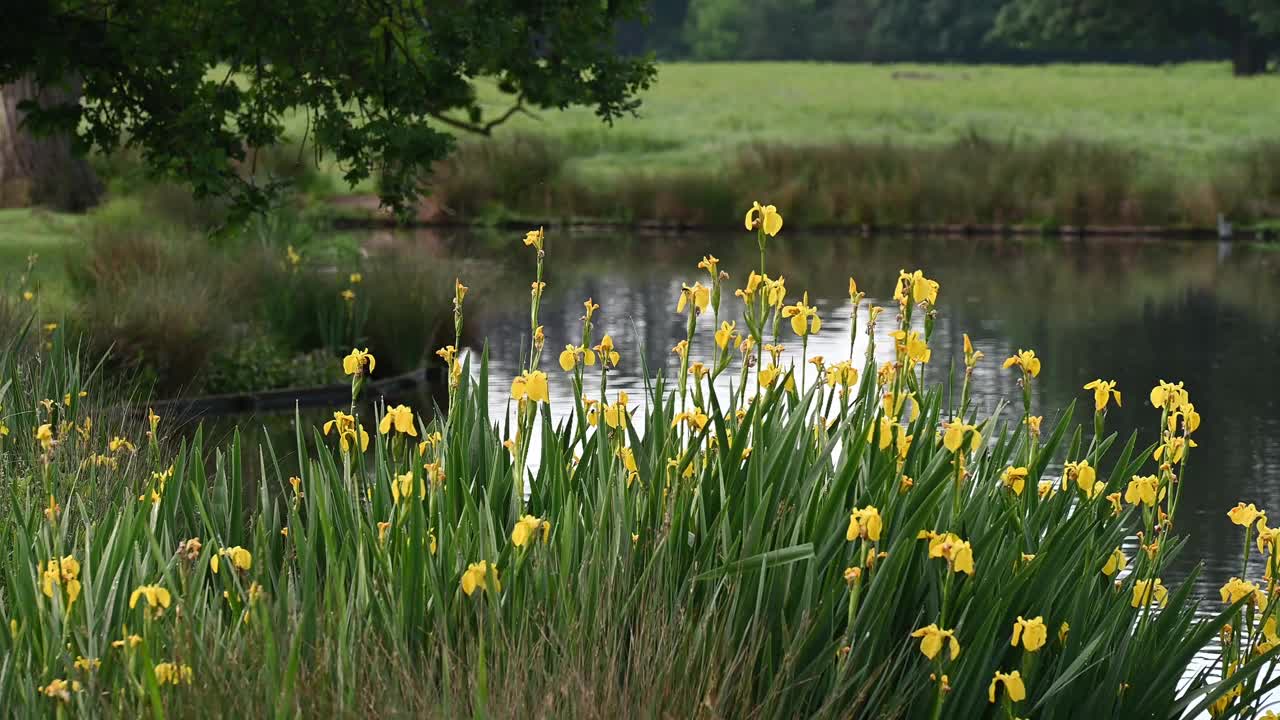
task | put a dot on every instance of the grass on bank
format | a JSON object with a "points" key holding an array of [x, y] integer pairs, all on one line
{"points": [[1188, 116], [971, 180], [869, 544], [147, 287], [1047, 145]]}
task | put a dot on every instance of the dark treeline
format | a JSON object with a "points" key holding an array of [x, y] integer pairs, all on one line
{"points": [[1003, 31]]}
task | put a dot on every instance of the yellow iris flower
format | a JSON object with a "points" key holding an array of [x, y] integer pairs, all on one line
{"points": [[1142, 490], [616, 414], [87, 664], [804, 318], [1266, 536], [1103, 391], [173, 673], [402, 488], [724, 334], [1116, 562], [347, 430], [955, 434], [1187, 412], [64, 573], [1014, 688], [932, 638], [948, 546], [608, 355], [401, 418], [358, 361], [893, 405], [1236, 590], [44, 434], [864, 523], [695, 418], [768, 375], [525, 528], [239, 558], [534, 239], [1014, 478], [765, 217], [1144, 591], [775, 291], [1033, 633], [572, 355], [915, 287], [1173, 449], [530, 385], [1169, 396], [748, 293], [433, 472], [1244, 515], [842, 373], [157, 597], [628, 457], [1114, 499], [698, 296], [1084, 475], [477, 577], [1027, 360], [912, 346]]}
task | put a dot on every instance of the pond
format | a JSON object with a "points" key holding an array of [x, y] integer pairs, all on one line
{"points": [[1133, 310]]}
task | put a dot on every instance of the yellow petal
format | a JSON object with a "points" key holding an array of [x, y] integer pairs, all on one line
{"points": [[772, 221]]}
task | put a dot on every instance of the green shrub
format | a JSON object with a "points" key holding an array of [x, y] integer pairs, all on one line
{"points": [[258, 362]]}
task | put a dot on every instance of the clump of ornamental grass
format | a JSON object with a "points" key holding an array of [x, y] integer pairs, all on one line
{"points": [[763, 536]]}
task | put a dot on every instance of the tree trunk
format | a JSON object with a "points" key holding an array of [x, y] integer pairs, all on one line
{"points": [[1249, 54], [41, 170]]}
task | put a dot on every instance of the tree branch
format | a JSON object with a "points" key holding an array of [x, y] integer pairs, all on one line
{"points": [[485, 129]]}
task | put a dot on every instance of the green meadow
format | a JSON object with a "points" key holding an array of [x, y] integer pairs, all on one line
{"points": [[1189, 116], [1083, 144]]}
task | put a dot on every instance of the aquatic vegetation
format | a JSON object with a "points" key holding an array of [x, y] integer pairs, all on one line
{"points": [[744, 539]]}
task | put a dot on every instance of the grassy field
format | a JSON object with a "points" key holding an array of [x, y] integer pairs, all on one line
{"points": [[698, 114], [45, 240], [1063, 144]]}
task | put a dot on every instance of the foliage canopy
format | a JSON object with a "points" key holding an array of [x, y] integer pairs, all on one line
{"points": [[198, 85]]}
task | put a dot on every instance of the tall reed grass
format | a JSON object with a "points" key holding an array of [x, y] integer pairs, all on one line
{"points": [[165, 301], [758, 537], [975, 179]]}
